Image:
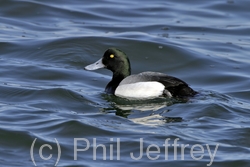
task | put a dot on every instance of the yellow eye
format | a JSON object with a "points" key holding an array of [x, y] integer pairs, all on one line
{"points": [[112, 56]]}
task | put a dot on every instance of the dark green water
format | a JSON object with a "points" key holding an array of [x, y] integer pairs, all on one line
{"points": [[48, 100]]}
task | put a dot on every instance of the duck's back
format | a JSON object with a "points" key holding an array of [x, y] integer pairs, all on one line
{"points": [[175, 86]]}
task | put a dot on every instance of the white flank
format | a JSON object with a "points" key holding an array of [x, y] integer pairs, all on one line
{"points": [[140, 90]]}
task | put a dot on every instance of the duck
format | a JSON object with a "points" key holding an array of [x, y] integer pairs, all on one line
{"points": [[145, 85]]}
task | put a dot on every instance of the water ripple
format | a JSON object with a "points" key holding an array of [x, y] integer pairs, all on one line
{"points": [[46, 94]]}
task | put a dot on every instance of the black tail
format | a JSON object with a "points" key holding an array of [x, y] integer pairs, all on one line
{"points": [[181, 91]]}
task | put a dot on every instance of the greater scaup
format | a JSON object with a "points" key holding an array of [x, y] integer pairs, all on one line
{"points": [[144, 85]]}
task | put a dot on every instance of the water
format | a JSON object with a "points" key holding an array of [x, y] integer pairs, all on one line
{"points": [[47, 98]]}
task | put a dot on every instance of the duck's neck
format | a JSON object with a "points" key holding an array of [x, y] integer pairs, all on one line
{"points": [[113, 84]]}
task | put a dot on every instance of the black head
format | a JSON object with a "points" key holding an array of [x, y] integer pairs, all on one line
{"points": [[114, 60]]}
